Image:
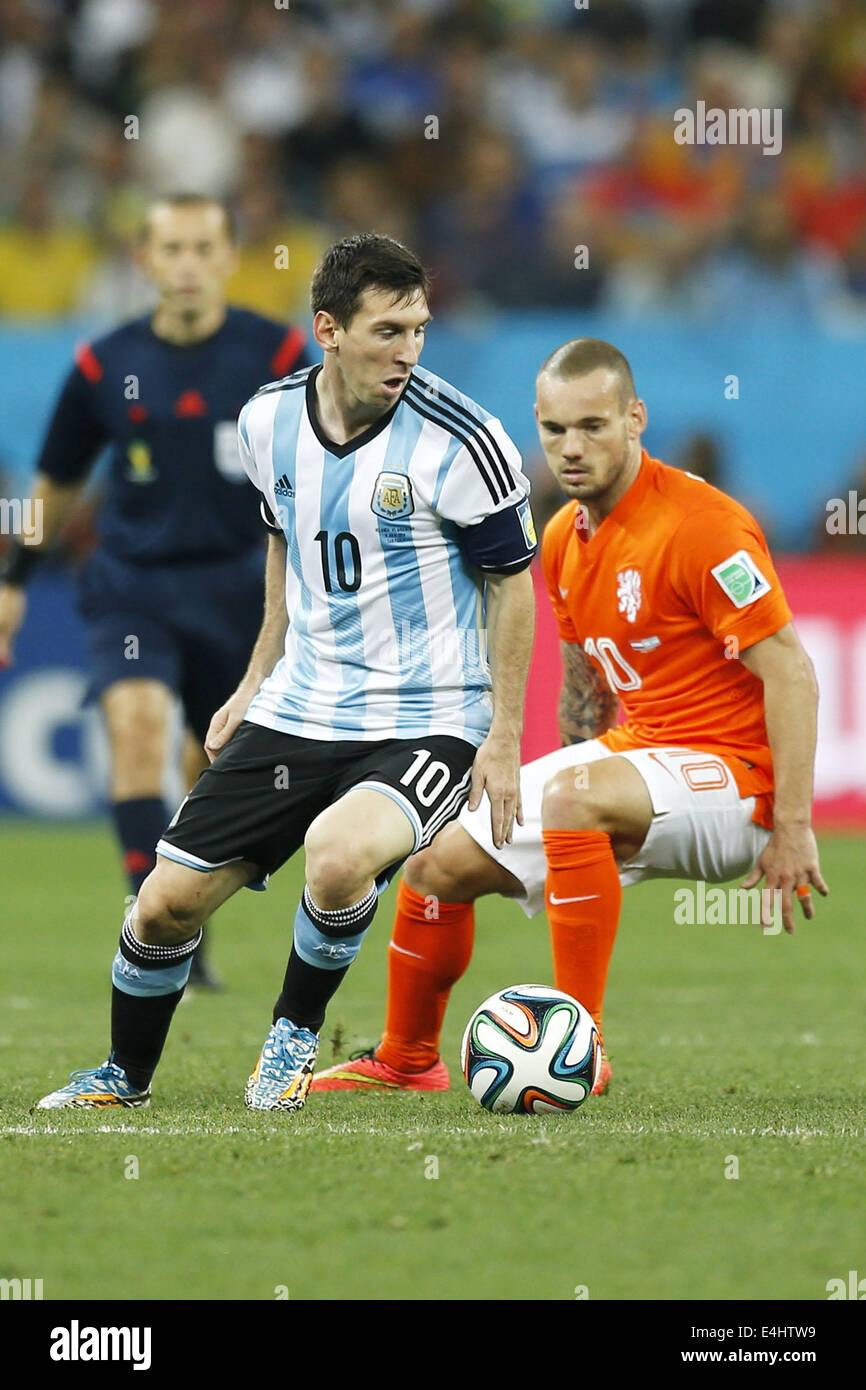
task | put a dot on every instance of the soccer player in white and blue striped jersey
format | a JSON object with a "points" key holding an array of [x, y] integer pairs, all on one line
{"points": [[387, 630], [386, 687]]}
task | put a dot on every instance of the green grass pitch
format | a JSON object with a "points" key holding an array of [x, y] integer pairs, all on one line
{"points": [[726, 1045]]}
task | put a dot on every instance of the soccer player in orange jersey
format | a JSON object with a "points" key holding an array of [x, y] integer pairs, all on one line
{"points": [[666, 600]]}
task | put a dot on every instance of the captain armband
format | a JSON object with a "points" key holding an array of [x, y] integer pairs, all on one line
{"points": [[503, 543]]}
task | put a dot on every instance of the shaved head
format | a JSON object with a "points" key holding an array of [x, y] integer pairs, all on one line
{"points": [[590, 422], [581, 356]]}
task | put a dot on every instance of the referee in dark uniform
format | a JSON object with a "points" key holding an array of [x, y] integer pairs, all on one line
{"points": [[172, 595]]}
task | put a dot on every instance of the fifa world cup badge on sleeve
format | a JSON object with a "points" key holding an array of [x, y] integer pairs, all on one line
{"points": [[392, 496], [741, 579]]}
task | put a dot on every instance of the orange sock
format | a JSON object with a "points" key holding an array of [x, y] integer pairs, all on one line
{"points": [[427, 955], [583, 896]]}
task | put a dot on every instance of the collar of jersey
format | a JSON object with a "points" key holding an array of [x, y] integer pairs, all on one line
{"points": [[357, 441], [625, 507]]}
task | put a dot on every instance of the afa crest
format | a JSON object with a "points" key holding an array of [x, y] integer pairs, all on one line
{"points": [[392, 496]]}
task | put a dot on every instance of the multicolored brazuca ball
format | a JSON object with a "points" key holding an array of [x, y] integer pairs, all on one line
{"points": [[531, 1050]]}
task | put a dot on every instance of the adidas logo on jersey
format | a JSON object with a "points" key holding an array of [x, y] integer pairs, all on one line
{"points": [[283, 487]]}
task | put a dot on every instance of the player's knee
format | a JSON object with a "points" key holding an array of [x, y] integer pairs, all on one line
{"points": [[136, 729], [439, 873], [136, 765], [333, 869], [136, 741], [423, 874], [571, 803], [163, 920]]}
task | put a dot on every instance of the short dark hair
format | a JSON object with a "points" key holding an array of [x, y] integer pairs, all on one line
{"points": [[583, 355], [192, 200], [362, 262]]}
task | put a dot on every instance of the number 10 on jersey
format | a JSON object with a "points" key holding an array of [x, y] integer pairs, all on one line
{"points": [[343, 541]]}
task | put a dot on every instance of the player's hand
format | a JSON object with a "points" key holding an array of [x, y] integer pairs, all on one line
{"points": [[13, 606], [789, 864], [224, 722], [496, 770]]}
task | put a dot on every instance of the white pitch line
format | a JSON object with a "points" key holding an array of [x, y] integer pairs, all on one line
{"points": [[223, 1131]]}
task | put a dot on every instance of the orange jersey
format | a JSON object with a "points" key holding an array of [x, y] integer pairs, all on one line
{"points": [[674, 584]]}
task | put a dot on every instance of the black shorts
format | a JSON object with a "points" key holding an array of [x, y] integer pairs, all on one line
{"points": [[258, 798]]}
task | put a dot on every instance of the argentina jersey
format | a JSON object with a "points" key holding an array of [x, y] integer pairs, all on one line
{"points": [[388, 541]]}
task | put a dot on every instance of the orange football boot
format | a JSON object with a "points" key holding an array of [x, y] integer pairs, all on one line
{"points": [[364, 1072], [605, 1072]]}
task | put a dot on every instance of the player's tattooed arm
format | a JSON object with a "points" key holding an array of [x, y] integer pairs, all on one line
{"points": [[587, 705]]}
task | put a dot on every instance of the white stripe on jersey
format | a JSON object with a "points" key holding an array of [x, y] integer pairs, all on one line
{"points": [[317, 656], [447, 810], [402, 653], [378, 629]]}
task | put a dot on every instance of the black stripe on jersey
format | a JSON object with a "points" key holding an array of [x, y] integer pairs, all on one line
{"points": [[288, 383], [501, 471], [466, 439], [489, 441]]}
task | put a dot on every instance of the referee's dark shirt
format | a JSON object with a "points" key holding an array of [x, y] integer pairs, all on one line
{"points": [[175, 489]]}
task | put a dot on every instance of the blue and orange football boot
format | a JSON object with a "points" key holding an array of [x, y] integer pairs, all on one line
{"points": [[101, 1088], [282, 1075]]}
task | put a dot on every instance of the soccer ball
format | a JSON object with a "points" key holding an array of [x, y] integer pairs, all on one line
{"points": [[531, 1050]]}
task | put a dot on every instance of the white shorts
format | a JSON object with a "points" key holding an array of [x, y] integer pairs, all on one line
{"points": [[701, 827]]}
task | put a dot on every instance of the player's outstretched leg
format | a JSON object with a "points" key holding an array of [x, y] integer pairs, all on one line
{"points": [[148, 976], [420, 976], [348, 848], [430, 948]]}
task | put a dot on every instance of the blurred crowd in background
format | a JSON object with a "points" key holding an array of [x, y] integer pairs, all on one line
{"points": [[498, 139], [493, 136]]}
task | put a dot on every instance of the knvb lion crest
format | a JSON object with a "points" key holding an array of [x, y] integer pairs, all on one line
{"points": [[628, 593], [392, 496]]}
